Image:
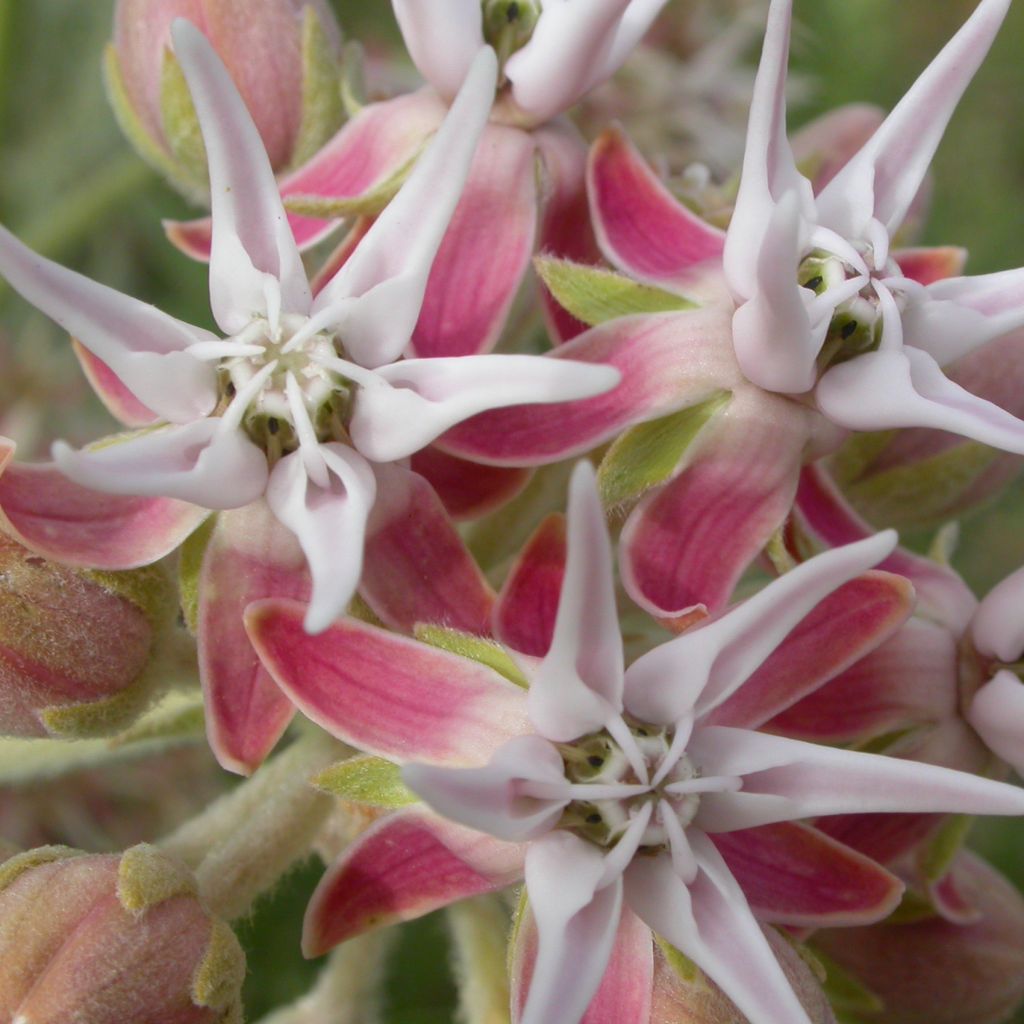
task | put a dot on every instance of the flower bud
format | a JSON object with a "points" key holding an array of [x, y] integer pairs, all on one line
{"points": [[283, 55], [106, 939], [78, 650], [933, 971]]}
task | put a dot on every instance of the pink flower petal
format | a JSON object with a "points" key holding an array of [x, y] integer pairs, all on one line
{"points": [[385, 693], [578, 685], [143, 346], [468, 490], [786, 779], [702, 668], [250, 556], [376, 297], [997, 714], [687, 544], [998, 624], [442, 37], [884, 177], [667, 361], [710, 922], [417, 567], [120, 402], [404, 866], [254, 263], [524, 617], [848, 624], [793, 874], [485, 251], [48, 513], [641, 227], [928, 265]]}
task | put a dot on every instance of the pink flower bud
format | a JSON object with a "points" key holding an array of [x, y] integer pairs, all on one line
{"points": [[102, 939], [282, 54], [76, 647], [933, 971]]}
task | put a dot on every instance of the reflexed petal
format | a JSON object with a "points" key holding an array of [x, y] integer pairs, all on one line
{"points": [[199, 462], [997, 714], [250, 556], [141, 345], [998, 624], [120, 402], [793, 874], [701, 669], [422, 398], [402, 867], [576, 926], [417, 567], [882, 180], [468, 490], [375, 298], [786, 779], [710, 923], [385, 693], [329, 522], [578, 685], [906, 388], [930, 264], [48, 513], [255, 266], [642, 228], [442, 37], [490, 798]]}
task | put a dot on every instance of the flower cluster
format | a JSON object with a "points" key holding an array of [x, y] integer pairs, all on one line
{"points": [[711, 750]]}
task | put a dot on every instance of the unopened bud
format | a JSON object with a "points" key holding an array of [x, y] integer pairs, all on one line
{"points": [[283, 55], [76, 648], [933, 971], [103, 939]]}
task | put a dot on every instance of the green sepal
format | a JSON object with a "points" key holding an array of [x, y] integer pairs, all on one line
{"points": [[322, 108], [682, 966], [217, 982], [476, 648], [146, 876], [846, 994], [647, 455], [14, 867], [595, 295], [181, 125], [149, 588], [100, 717], [178, 717], [353, 80], [937, 856], [367, 204], [189, 565], [365, 779], [914, 906]]}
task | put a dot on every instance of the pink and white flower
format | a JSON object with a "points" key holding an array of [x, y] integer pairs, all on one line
{"points": [[610, 787]]}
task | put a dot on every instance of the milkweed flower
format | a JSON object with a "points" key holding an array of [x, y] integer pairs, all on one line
{"points": [[607, 786]]}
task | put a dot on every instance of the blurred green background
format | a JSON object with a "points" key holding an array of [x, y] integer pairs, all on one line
{"points": [[72, 188]]}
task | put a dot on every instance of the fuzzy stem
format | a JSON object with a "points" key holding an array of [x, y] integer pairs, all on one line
{"points": [[244, 842], [479, 929]]}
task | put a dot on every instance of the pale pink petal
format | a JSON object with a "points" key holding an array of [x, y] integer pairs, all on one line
{"points": [[906, 388], [401, 868], [250, 556], [667, 361], [769, 169], [687, 544], [48, 513], [144, 347], [417, 567], [417, 400], [702, 668], [785, 779], [524, 616], [930, 264], [110, 389], [998, 624], [848, 624], [442, 37], [385, 693], [468, 490], [641, 227], [578, 685], [255, 266], [821, 508], [882, 180], [711, 923], [997, 714], [375, 298], [492, 798], [201, 462], [485, 251], [577, 921], [329, 521], [793, 874]]}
